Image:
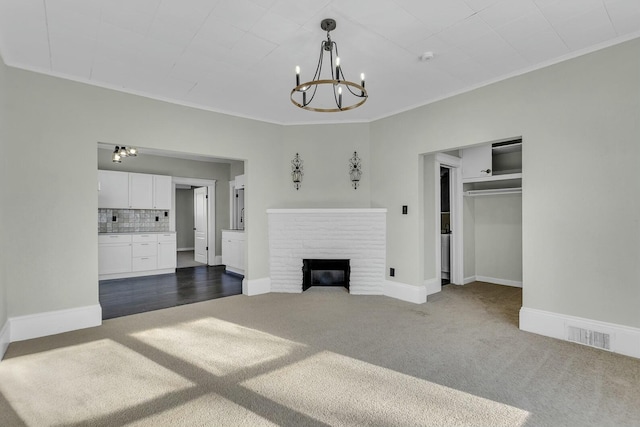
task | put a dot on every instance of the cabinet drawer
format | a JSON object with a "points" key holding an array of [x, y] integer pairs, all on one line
{"points": [[145, 249], [145, 263], [145, 238], [167, 237], [114, 238]]}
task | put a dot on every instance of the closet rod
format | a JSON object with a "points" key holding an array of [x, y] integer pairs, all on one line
{"points": [[493, 191]]}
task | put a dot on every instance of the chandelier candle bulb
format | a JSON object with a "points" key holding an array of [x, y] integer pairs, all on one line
{"points": [[337, 68], [339, 96], [362, 82], [297, 76]]}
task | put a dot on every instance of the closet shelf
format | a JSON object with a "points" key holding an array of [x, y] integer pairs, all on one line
{"points": [[493, 191], [501, 177]]}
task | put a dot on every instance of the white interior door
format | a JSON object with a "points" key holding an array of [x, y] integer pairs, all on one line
{"points": [[200, 224]]}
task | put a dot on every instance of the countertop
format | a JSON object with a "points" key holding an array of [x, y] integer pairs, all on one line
{"points": [[137, 232]]}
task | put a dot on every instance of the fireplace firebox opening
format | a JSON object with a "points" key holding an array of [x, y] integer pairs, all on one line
{"points": [[325, 272]]}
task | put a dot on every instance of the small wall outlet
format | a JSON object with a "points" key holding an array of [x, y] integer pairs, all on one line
{"points": [[166, 213], [392, 272], [157, 218], [114, 218], [405, 209]]}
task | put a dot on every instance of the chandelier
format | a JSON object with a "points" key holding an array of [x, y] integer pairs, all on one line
{"points": [[354, 94], [120, 152]]}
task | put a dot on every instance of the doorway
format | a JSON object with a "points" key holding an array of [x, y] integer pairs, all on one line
{"points": [[194, 211], [443, 221], [445, 226]]}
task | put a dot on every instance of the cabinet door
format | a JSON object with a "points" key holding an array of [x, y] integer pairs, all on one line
{"points": [[227, 257], [114, 258], [167, 255], [161, 192], [113, 189], [140, 191], [476, 162]]}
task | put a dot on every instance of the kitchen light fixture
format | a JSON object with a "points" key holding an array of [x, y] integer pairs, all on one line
{"points": [[120, 152], [297, 171], [355, 170], [303, 94]]}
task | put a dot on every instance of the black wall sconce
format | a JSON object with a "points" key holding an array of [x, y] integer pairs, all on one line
{"points": [[355, 169], [297, 171]]}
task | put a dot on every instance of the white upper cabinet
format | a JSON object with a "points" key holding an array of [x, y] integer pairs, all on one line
{"points": [[476, 162], [161, 192], [140, 191], [113, 189], [124, 190]]}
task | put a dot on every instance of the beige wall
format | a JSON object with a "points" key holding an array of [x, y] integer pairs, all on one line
{"points": [[469, 237], [430, 218], [326, 151], [185, 222], [580, 126], [4, 182], [146, 163], [498, 237], [53, 210]]}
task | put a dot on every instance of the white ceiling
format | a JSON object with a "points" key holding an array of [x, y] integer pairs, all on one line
{"points": [[239, 56]]}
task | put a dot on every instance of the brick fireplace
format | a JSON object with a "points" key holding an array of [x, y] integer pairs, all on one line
{"points": [[357, 235]]}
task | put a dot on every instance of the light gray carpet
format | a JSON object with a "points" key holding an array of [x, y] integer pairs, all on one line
{"points": [[323, 357]]}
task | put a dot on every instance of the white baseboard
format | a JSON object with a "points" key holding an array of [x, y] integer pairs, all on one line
{"points": [[54, 322], [623, 339], [185, 249], [136, 274], [5, 338], [256, 286], [499, 281], [433, 286], [469, 279], [404, 292]]}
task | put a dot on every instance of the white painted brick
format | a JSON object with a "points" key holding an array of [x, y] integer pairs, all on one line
{"points": [[355, 234]]}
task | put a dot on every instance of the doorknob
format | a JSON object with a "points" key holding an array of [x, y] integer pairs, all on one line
{"points": [[486, 171], [194, 229]]}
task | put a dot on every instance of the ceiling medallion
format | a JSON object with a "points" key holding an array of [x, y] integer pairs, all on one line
{"points": [[354, 94]]}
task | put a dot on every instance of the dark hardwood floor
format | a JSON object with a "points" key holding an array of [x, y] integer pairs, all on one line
{"points": [[121, 297]]}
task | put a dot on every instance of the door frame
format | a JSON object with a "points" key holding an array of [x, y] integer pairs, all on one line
{"points": [[454, 164], [211, 211]]}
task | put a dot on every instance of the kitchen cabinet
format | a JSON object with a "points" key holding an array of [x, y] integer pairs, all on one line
{"points": [[128, 190], [113, 189], [140, 254], [144, 252], [233, 251], [140, 191], [114, 254], [167, 250], [162, 192]]}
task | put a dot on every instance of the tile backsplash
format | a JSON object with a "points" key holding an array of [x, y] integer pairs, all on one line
{"points": [[132, 220]]}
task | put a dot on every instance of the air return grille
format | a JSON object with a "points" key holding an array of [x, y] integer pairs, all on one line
{"points": [[589, 337]]}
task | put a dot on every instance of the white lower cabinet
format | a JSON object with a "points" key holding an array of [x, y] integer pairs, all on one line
{"points": [[167, 251], [233, 251], [114, 254], [129, 255]]}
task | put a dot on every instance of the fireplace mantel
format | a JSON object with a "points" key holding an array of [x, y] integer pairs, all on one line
{"points": [[349, 233]]}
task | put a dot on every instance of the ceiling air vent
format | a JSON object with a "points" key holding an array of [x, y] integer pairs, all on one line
{"points": [[588, 337]]}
